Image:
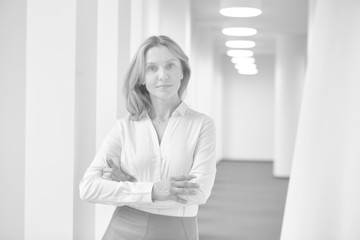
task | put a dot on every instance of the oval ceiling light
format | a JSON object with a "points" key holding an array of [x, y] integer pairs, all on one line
{"points": [[240, 12], [239, 31], [246, 66], [240, 53], [243, 60], [248, 71], [240, 44], [240, 8]]}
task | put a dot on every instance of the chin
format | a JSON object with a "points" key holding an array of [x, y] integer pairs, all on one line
{"points": [[165, 96]]}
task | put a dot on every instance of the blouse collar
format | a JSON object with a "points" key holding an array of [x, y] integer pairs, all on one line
{"points": [[180, 110]]}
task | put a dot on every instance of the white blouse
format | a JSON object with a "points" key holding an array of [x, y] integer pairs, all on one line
{"points": [[187, 147]]}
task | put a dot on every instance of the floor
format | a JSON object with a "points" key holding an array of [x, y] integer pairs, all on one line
{"points": [[247, 203]]}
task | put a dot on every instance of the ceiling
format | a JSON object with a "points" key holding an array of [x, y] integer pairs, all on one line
{"points": [[279, 17]]}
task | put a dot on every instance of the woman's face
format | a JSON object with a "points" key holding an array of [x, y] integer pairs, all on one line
{"points": [[163, 73]]}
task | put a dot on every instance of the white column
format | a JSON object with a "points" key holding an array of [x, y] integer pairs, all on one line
{"points": [[160, 17], [124, 57], [85, 112], [217, 103], [175, 22], [311, 14], [151, 17], [50, 106], [324, 195], [205, 89], [202, 90], [136, 25], [12, 118], [112, 61], [289, 78]]}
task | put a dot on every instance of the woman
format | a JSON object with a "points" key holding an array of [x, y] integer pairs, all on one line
{"points": [[158, 163]]}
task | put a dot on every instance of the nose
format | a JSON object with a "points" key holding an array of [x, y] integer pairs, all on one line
{"points": [[162, 75]]}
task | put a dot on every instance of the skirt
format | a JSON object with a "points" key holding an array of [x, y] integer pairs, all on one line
{"points": [[131, 224]]}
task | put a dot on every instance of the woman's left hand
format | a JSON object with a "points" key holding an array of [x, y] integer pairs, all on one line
{"points": [[114, 173]]}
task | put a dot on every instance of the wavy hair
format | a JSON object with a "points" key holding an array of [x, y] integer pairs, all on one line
{"points": [[137, 97]]}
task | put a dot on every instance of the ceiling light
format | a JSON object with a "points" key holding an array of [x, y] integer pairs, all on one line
{"points": [[246, 66], [248, 71], [240, 8], [240, 12], [239, 31], [240, 53], [243, 60], [240, 44]]}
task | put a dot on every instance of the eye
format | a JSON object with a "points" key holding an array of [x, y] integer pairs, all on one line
{"points": [[170, 65], [152, 68]]}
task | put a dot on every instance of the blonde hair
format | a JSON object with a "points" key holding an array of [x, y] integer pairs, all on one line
{"points": [[138, 101]]}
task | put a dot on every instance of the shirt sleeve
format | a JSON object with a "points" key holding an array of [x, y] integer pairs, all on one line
{"points": [[204, 165], [93, 188]]}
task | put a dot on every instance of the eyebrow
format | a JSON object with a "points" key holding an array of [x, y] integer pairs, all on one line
{"points": [[170, 60]]}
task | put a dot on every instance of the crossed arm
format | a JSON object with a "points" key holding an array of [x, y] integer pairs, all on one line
{"points": [[174, 188], [107, 183]]}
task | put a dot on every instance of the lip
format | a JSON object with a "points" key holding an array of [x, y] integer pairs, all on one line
{"points": [[164, 86]]}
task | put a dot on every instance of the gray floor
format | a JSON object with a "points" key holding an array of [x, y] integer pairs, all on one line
{"points": [[247, 203]]}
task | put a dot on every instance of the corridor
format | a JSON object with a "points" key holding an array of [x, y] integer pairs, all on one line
{"points": [[247, 203]]}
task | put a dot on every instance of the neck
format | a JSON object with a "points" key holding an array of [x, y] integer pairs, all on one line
{"points": [[162, 109]]}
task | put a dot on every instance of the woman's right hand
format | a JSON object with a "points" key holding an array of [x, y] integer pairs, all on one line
{"points": [[114, 173], [171, 188]]}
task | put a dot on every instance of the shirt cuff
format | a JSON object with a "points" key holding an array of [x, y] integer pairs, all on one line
{"points": [[147, 190]]}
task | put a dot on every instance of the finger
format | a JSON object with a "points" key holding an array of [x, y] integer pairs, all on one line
{"points": [[110, 176], [185, 184], [106, 176], [183, 177], [179, 178], [126, 173], [180, 200], [189, 177], [132, 179], [108, 170], [126, 177], [116, 178], [122, 177], [111, 164], [183, 191]]}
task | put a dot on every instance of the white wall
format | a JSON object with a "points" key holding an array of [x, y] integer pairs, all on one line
{"points": [[248, 107], [324, 194], [12, 118], [204, 93], [50, 107], [289, 78], [85, 112]]}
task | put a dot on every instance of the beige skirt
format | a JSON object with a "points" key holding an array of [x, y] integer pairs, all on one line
{"points": [[131, 224]]}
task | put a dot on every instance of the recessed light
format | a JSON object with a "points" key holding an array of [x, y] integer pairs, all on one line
{"points": [[240, 44], [240, 8], [245, 66], [240, 12], [248, 71], [240, 53], [243, 60], [239, 31]]}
